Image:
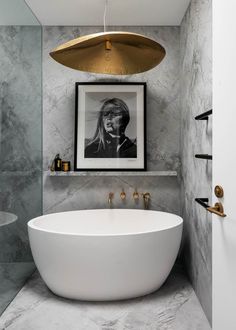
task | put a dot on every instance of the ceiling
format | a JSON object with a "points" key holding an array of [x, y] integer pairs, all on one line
{"points": [[119, 12]]}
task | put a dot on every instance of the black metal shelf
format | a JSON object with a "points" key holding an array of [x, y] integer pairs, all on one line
{"points": [[204, 115], [203, 156], [203, 202]]}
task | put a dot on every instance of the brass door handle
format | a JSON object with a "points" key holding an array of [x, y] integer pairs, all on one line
{"points": [[217, 209]]}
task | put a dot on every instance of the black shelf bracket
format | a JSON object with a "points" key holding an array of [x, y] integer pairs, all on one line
{"points": [[203, 156], [204, 115], [203, 202]]}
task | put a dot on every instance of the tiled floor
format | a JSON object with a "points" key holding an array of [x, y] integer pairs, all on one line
{"points": [[12, 277], [173, 307]]}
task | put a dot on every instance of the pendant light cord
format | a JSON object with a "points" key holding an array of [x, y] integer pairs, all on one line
{"points": [[104, 16]]}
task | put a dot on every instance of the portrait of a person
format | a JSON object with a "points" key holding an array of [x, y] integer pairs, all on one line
{"points": [[109, 140]]}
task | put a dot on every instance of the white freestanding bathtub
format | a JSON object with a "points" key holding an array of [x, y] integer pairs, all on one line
{"points": [[106, 254]]}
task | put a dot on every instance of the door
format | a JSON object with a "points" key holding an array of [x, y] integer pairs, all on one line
{"points": [[224, 164]]}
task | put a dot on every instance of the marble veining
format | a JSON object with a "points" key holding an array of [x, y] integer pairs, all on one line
{"points": [[21, 195], [173, 307], [162, 96], [163, 126], [12, 277], [76, 193], [196, 137], [20, 98], [20, 137]]}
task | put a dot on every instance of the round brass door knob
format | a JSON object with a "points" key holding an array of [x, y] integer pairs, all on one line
{"points": [[219, 191]]}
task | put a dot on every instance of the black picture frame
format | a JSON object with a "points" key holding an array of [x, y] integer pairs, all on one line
{"points": [[106, 151]]}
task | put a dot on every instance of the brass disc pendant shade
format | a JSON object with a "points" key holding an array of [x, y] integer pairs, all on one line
{"points": [[116, 53]]}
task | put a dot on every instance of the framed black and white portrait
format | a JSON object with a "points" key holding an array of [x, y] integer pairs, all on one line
{"points": [[110, 127]]}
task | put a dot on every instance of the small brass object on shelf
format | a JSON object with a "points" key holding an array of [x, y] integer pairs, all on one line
{"points": [[65, 166], [219, 191], [218, 209], [122, 195], [52, 166], [57, 163]]}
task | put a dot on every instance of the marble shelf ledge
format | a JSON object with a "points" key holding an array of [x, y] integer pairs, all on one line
{"points": [[114, 173]]}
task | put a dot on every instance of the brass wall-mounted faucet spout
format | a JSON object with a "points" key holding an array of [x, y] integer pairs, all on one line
{"points": [[122, 195], [110, 197], [146, 199]]}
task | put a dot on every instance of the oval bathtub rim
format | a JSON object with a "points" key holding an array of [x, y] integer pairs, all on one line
{"points": [[30, 225]]}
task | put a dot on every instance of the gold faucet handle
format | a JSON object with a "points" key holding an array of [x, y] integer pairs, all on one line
{"points": [[111, 195], [146, 199], [123, 195], [146, 195], [217, 209], [136, 195]]}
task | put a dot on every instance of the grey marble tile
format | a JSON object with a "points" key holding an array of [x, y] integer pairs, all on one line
{"points": [[13, 276], [163, 126], [196, 137], [20, 98], [20, 137], [20, 144], [163, 116], [20, 194], [74, 193], [173, 307]]}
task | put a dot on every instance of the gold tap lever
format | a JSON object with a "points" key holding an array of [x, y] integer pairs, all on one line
{"points": [[122, 195], [136, 195], [217, 209], [146, 198], [110, 197]]}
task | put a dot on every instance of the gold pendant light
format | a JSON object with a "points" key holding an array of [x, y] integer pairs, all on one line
{"points": [[115, 53]]}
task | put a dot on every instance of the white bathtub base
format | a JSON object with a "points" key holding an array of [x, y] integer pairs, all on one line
{"points": [[103, 267]]}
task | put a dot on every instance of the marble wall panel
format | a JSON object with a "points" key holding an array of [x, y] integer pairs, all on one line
{"points": [[75, 193], [20, 151], [20, 137], [20, 98], [196, 137], [172, 134], [163, 125], [20, 194], [12, 279]]}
